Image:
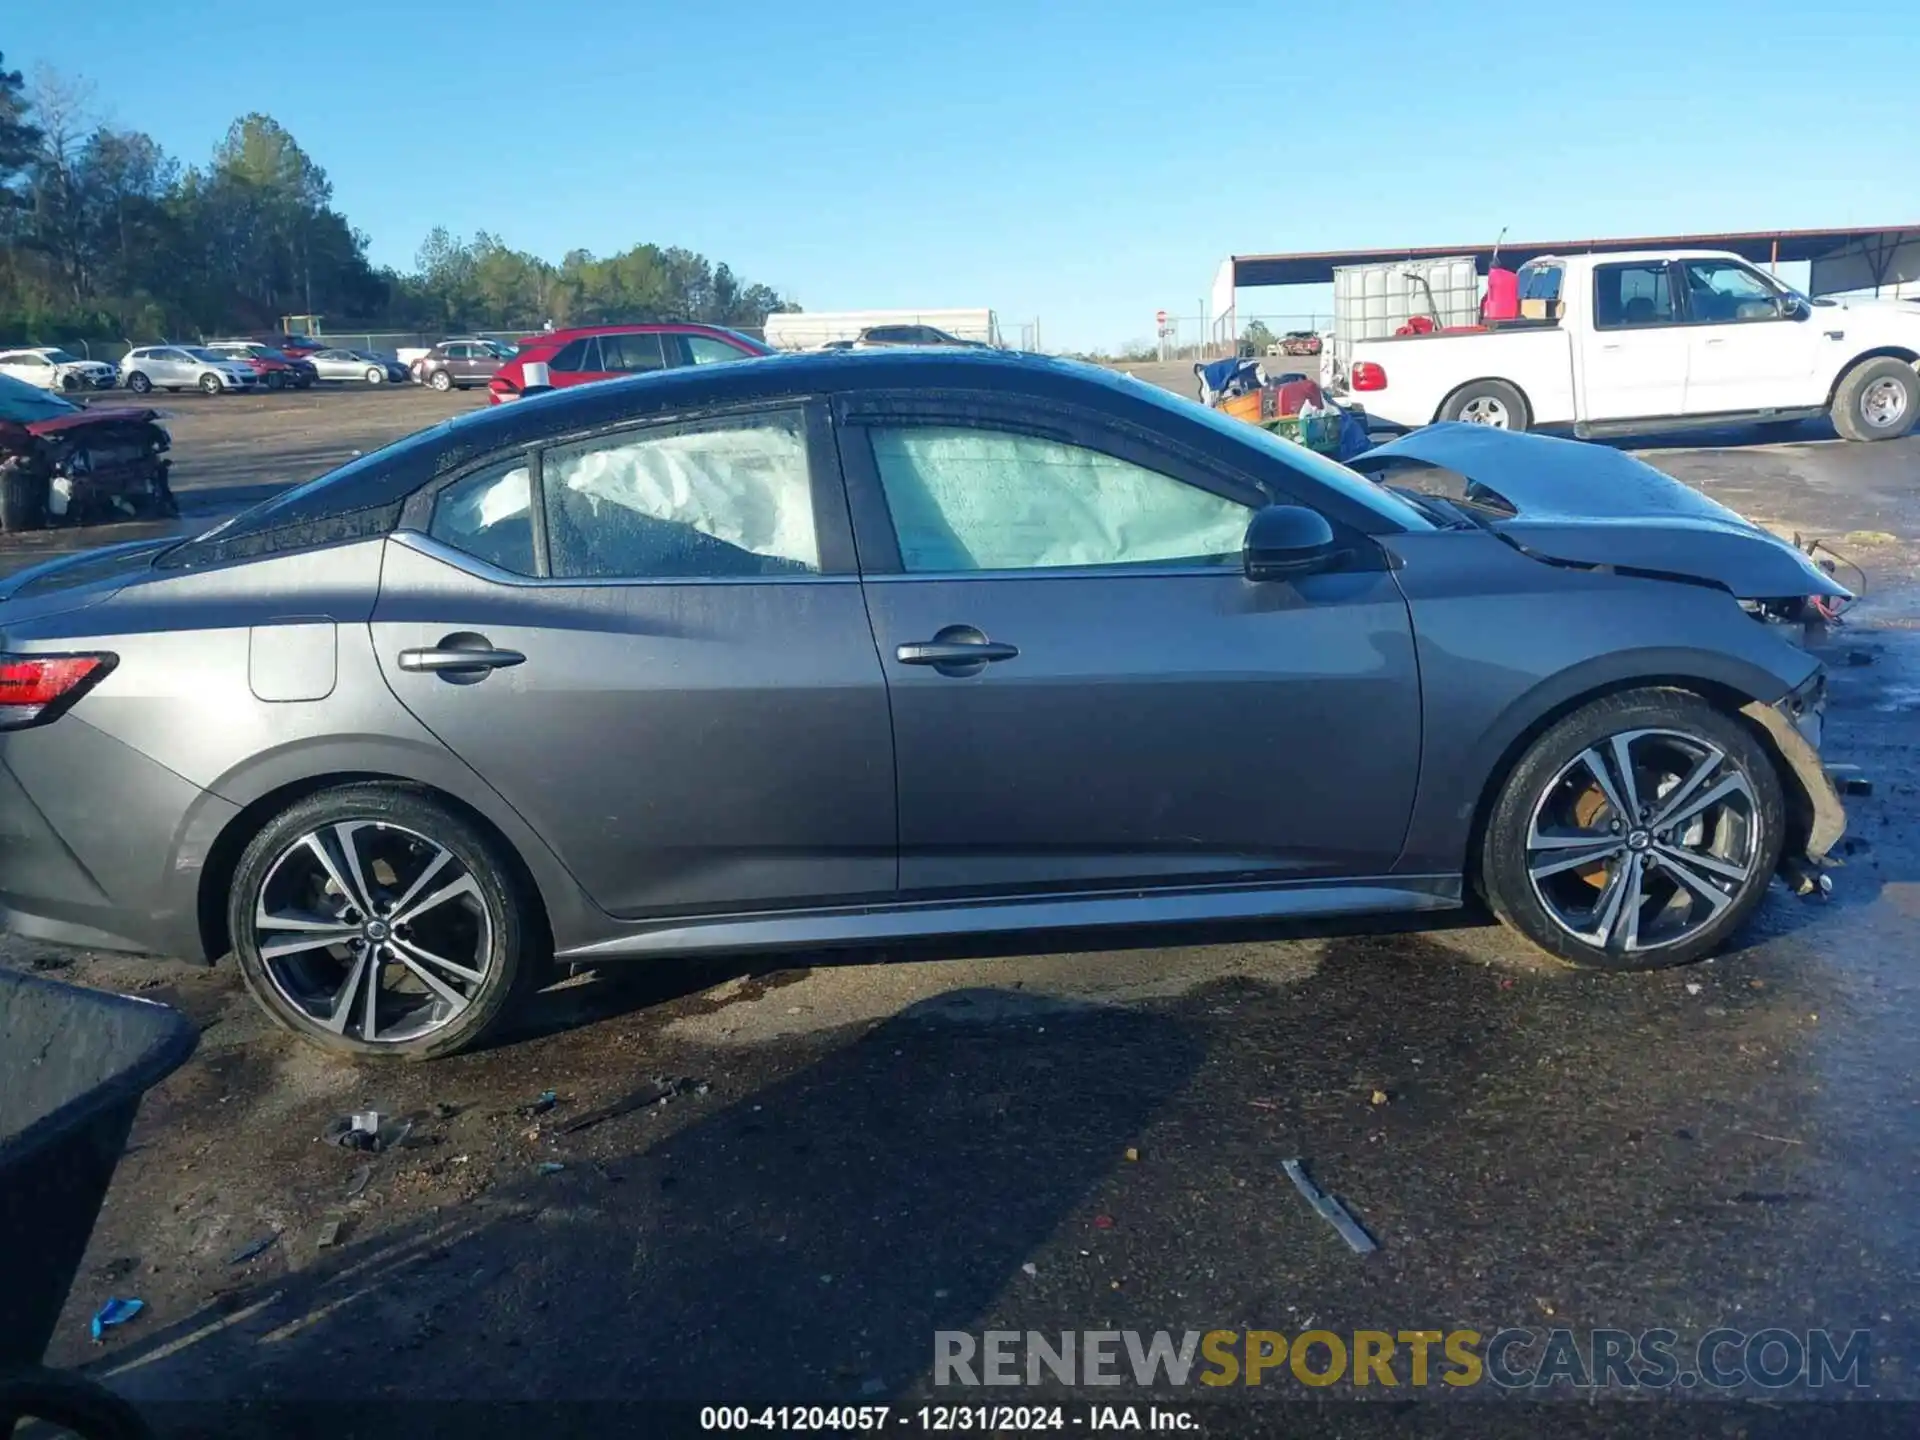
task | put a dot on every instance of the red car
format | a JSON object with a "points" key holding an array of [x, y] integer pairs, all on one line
{"points": [[276, 371], [604, 352], [59, 460]]}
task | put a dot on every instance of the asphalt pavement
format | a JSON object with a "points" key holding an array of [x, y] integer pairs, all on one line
{"points": [[814, 1165]]}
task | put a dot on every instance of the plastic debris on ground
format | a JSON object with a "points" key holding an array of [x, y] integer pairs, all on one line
{"points": [[1330, 1209], [548, 1167], [662, 1089], [248, 1252], [367, 1130], [358, 1181], [329, 1235], [114, 1312]]}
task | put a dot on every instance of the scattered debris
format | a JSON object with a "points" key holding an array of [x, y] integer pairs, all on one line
{"points": [[329, 1234], [548, 1167], [1132, 1154], [358, 1181], [118, 1268], [662, 1089], [368, 1130], [1762, 1135], [547, 1100], [1329, 1209], [1029, 1268], [114, 1312], [1860, 657], [248, 1252], [1693, 987], [1103, 1222], [1379, 1097], [442, 1110], [1546, 1306], [1854, 785]]}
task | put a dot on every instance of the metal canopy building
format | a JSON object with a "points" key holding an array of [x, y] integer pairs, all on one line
{"points": [[1864, 258]]}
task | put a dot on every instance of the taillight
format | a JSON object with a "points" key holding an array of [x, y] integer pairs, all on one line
{"points": [[1366, 375], [36, 688]]}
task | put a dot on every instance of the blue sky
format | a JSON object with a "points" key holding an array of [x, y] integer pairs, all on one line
{"points": [[1086, 164]]}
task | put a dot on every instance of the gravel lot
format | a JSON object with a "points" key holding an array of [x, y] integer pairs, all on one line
{"points": [[840, 1158]]}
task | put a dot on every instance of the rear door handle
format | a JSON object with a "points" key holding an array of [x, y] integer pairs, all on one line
{"points": [[440, 658], [1717, 340]]}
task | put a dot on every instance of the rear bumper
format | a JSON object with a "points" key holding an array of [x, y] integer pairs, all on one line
{"points": [[99, 846]]}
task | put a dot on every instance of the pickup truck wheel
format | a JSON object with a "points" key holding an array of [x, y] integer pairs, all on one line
{"points": [[1488, 402], [1877, 400], [1638, 832]]}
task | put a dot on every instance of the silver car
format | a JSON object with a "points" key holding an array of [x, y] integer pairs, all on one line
{"points": [[183, 367], [342, 364], [835, 650]]}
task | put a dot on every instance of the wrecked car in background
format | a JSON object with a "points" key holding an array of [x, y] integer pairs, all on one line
{"points": [[46, 367], [61, 461]]}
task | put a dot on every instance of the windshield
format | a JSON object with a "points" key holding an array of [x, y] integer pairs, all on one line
{"points": [[1330, 473], [61, 357], [25, 404]]}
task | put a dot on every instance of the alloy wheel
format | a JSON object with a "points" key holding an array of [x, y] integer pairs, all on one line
{"points": [[1644, 839], [1486, 410], [373, 931]]}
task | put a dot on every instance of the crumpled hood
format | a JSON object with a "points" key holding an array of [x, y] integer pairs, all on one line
{"points": [[1586, 504], [116, 415]]}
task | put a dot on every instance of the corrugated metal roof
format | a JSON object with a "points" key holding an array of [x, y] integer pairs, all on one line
{"points": [[1760, 246]]}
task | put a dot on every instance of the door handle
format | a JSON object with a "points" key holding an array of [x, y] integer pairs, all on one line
{"points": [[934, 652], [1614, 346], [957, 650], [456, 658], [1717, 340]]}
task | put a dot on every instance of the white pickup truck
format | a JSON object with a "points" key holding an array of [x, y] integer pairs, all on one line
{"points": [[1652, 340]]}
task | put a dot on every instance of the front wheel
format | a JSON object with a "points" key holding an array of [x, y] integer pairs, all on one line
{"points": [[1877, 400], [1488, 402], [374, 921], [375, 375], [72, 1404], [441, 381], [210, 384], [1638, 832], [276, 381]]}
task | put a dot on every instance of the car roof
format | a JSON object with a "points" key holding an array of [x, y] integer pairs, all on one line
{"points": [[645, 327]]}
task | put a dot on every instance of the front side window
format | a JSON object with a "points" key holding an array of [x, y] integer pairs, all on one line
{"points": [[974, 499], [1629, 295], [1721, 292], [705, 350], [728, 500], [489, 516], [632, 353]]}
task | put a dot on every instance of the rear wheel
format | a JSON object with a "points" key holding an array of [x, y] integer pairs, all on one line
{"points": [[441, 381], [1877, 400], [1636, 833], [1488, 402], [374, 921], [139, 384]]}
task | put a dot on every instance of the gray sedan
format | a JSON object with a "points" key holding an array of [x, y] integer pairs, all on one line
{"points": [[341, 364], [842, 649]]}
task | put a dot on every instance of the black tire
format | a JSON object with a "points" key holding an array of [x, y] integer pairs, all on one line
{"points": [[1552, 780], [69, 1403], [71, 383], [1488, 402], [276, 380], [24, 493], [441, 380], [211, 384], [1877, 400], [396, 816], [138, 383]]}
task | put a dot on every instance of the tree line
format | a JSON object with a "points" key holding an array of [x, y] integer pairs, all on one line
{"points": [[103, 235]]}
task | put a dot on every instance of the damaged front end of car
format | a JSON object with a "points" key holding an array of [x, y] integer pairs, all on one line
{"points": [[84, 468], [1588, 507]]}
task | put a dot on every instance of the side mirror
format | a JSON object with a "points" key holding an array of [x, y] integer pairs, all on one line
{"points": [[1285, 542], [1794, 308]]}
